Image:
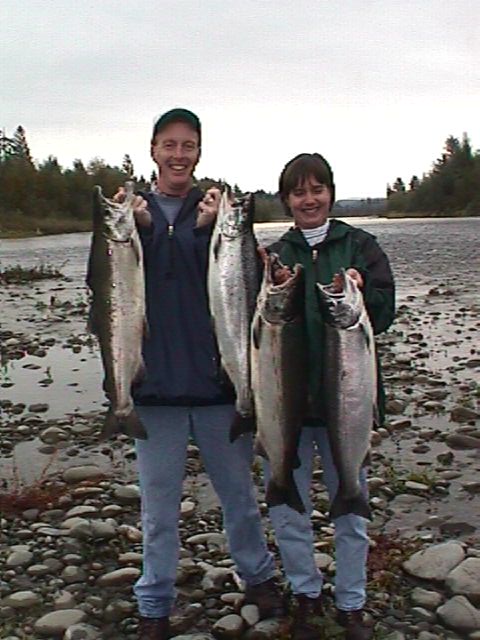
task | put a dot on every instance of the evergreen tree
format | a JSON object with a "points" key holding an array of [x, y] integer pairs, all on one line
{"points": [[21, 147]]}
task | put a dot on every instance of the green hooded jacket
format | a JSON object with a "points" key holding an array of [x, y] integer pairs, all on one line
{"points": [[344, 247]]}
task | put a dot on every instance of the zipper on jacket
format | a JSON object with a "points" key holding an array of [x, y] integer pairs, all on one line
{"points": [[314, 255], [169, 272]]}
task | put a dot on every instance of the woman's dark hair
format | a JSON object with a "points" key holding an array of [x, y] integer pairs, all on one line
{"points": [[298, 169]]}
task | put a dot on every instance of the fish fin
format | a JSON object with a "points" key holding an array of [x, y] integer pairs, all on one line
{"points": [[259, 448], [357, 505], [111, 425], [216, 246], [129, 425], [140, 373], [256, 331], [376, 416], [367, 334], [289, 495], [146, 329], [132, 426], [91, 321], [241, 425], [296, 461]]}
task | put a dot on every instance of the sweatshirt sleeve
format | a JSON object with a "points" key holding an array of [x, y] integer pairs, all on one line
{"points": [[379, 286]]}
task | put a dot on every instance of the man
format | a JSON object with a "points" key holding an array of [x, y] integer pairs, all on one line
{"points": [[184, 394], [324, 247]]}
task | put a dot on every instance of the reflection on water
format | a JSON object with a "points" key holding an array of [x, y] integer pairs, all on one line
{"points": [[67, 382]]}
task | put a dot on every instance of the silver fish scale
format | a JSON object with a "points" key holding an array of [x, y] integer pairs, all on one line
{"points": [[350, 389], [232, 287], [118, 307]]}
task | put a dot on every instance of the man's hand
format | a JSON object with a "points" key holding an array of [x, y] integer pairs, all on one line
{"points": [[208, 207], [143, 217]]}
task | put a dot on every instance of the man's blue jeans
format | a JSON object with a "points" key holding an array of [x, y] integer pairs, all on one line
{"points": [[294, 532], [161, 464]]}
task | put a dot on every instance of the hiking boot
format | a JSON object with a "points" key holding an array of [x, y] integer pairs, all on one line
{"points": [[306, 618], [268, 597], [355, 626], [154, 629]]}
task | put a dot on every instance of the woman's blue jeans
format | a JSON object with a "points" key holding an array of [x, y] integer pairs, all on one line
{"points": [[295, 538], [161, 465]]}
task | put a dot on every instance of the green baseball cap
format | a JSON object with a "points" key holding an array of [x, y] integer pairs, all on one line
{"points": [[178, 115]]}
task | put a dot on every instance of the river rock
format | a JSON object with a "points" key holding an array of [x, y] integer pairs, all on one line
{"points": [[127, 494], [250, 614], [53, 435], [436, 562], [459, 614], [85, 472], [82, 632], [20, 558], [463, 414], [22, 600], [462, 441], [119, 577], [465, 580], [57, 622], [270, 629], [426, 599], [230, 626]]}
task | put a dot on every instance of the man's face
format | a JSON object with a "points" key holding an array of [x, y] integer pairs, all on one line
{"points": [[309, 203], [176, 153]]}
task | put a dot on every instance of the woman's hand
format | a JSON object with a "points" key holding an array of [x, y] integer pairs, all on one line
{"points": [[353, 273]]}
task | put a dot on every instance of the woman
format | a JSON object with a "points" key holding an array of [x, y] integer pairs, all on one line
{"points": [[324, 246]]}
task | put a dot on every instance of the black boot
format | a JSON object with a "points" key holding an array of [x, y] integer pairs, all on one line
{"points": [[306, 618], [268, 597], [154, 629], [355, 626]]}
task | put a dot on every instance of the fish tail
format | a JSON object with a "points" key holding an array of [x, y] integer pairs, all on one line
{"points": [[357, 505], [133, 427], [129, 424], [240, 425], [289, 495]]}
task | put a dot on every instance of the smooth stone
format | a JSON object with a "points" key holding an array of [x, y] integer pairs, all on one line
{"points": [[465, 580], [459, 614], [57, 622], [435, 562]]}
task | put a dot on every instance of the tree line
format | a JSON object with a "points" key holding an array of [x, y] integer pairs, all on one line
{"points": [[45, 196], [451, 187]]}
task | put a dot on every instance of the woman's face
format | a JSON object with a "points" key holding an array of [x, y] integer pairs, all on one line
{"points": [[309, 203]]}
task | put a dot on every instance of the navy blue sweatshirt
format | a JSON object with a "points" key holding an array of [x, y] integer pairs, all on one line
{"points": [[180, 351]]}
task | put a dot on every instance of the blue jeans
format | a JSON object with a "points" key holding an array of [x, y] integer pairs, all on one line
{"points": [[161, 464], [294, 531]]}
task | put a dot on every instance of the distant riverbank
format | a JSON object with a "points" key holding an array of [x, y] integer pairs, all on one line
{"points": [[23, 227]]}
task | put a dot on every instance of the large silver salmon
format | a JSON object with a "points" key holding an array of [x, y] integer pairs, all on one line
{"points": [[233, 283], [279, 378], [117, 313], [350, 389]]}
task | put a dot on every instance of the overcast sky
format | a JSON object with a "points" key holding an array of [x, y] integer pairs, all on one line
{"points": [[375, 86]]}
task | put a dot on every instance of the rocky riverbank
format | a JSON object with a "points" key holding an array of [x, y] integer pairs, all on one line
{"points": [[70, 533]]}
